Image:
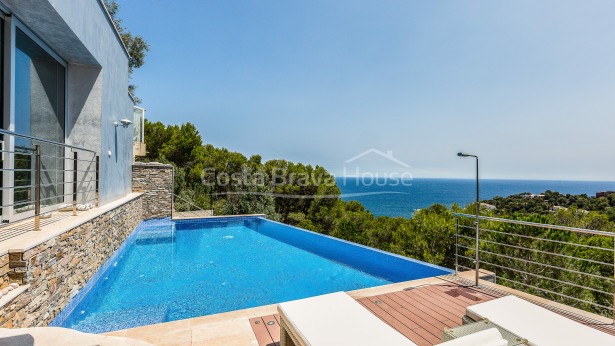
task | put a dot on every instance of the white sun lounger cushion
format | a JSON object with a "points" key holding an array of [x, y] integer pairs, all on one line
{"points": [[488, 337], [536, 324], [337, 319]]}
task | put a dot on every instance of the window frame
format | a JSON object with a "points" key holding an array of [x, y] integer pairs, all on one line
{"points": [[11, 24]]}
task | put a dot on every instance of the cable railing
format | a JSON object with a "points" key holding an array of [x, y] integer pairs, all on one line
{"points": [[574, 266], [40, 177]]}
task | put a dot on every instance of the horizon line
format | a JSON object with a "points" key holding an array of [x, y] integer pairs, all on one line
{"points": [[473, 179]]}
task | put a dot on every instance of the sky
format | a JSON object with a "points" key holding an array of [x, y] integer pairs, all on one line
{"points": [[528, 86]]}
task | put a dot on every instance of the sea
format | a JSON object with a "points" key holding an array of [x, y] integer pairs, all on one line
{"points": [[402, 198]]}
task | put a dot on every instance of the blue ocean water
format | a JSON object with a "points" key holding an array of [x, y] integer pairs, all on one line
{"points": [[421, 193], [182, 269]]}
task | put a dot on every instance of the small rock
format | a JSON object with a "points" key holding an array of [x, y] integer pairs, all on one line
{"points": [[5, 290], [10, 288], [14, 285], [66, 207]]}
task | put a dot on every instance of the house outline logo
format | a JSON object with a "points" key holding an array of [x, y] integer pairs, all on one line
{"points": [[388, 155]]}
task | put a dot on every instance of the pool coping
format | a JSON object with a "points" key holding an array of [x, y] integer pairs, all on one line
{"points": [[31, 239]]}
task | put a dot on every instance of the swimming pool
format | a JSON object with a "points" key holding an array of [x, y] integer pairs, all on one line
{"points": [[168, 270]]}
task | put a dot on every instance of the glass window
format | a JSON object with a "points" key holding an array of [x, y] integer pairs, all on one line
{"points": [[39, 91], [39, 112], [138, 121]]}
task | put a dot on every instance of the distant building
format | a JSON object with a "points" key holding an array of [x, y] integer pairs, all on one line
{"points": [[488, 206], [559, 207], [531, 195], [601, 194]]}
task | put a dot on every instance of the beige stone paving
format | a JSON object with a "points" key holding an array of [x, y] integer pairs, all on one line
{"points": [[233, 328], [228, 328], [60, 336], [196, 214]]}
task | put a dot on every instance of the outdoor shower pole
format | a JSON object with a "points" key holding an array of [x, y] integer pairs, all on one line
{"points": [[477, 215]]}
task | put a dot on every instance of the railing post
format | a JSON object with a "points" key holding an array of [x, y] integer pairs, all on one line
{"points": [[75, 183], [477, 218], [97, 178], [37, 188], [476, 260], [456, 246]]}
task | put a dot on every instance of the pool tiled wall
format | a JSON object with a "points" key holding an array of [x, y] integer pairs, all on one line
{"points": [[58, 268]]}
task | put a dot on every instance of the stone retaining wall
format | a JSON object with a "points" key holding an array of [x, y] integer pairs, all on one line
{"points": [[4, 271], [59, 267], [155, 180]]}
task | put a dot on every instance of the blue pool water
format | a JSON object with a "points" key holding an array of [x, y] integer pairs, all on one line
{"points": [[170, 270]]}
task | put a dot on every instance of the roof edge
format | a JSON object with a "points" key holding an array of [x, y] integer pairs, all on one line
{"points": [[110, 20]]}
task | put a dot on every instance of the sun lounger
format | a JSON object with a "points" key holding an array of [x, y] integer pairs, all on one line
{"points": [[334, 319], [536, 324]]}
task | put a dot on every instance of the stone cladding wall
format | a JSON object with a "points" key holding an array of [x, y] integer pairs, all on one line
{"points": [[155, 180]]}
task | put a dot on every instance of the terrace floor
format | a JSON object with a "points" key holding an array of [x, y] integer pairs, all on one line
{"points": [[420, 313], [419, 309], [21, 236], [196, 214]]}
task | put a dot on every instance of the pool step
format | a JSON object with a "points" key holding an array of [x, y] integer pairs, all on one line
{"points": [[122, 319], [155, 236]]}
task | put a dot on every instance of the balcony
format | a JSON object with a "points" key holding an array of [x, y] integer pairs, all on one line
{"points": [[43, 182]]}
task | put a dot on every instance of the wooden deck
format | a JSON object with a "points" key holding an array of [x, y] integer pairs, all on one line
{"points": [[420, 313], [266, 329]]}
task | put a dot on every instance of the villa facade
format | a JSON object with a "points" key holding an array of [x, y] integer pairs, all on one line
{"points": [[65, 79]]}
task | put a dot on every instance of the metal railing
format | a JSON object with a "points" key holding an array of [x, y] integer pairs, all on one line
{"points": [[571, 265], [40, 176]]}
